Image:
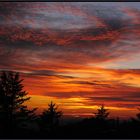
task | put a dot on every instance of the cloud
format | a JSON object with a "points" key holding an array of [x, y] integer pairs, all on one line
{"points": [[66, 50], [113, 99], [48, 73]]}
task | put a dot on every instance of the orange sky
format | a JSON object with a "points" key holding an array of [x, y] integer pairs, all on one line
{"points": [[75, 54], [83, 90]]}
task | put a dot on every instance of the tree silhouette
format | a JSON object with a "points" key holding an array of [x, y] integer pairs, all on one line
{"points": [[137, 118], [102, 113], [13, 112], [50, 117], [138, 115]]}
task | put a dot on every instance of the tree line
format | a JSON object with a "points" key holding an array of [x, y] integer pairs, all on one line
{"points": [[16, 118]]}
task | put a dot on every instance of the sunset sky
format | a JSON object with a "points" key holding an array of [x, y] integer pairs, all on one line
{"points": [[77, 54]]}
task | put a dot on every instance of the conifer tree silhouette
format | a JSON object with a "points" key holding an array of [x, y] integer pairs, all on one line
{"points": [[13, 112], [138, 115], [50, 117], [102, 113]]}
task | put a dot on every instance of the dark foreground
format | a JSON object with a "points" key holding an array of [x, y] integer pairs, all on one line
{"points": [[87, 128]]}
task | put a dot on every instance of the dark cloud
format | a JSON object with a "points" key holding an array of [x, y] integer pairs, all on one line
{"points": [[97, 83], [67, 94], [48, 73], [56, 42], [114, 99]]}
